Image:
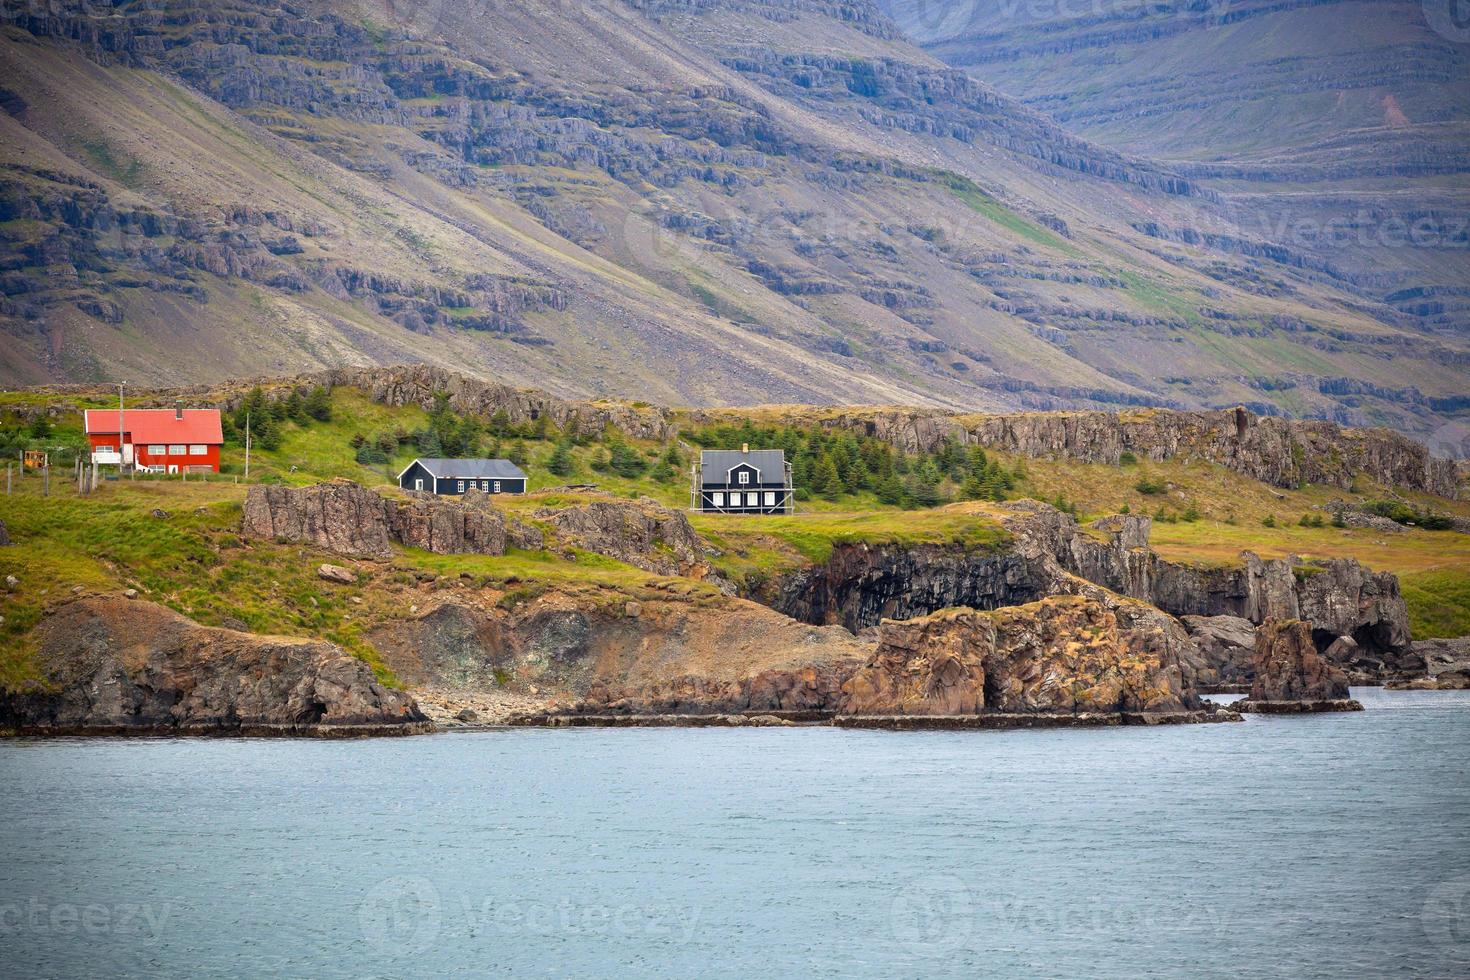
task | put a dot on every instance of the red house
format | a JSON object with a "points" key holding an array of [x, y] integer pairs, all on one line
{"points": [[163, 440]]}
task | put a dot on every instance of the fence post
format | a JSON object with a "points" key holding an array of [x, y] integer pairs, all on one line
{"points": [[46, 480]]}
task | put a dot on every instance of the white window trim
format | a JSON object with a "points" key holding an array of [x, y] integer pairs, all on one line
{"points": [[418, 484], [157, 450], [177, 449], [744, 478], [717, 498], [770, 498], [198, 449]]}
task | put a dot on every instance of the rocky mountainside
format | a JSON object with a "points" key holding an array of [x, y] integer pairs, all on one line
{"points": [[723, 202], [1334, 132]]}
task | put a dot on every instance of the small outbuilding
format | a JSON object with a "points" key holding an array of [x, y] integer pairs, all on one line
{"points": [[743, 481], [452, 477]]}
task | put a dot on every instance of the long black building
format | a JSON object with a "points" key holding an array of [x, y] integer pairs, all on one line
{"points": [[452, 477]]}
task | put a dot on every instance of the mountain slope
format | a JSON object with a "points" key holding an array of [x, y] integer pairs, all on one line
{"points": [[720, 202], [1337, 129]]}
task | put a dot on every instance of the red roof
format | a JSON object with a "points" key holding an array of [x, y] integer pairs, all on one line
{"points": [[159, 425]]}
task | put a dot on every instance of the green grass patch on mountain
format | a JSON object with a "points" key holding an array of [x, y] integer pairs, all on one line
{"points": [[992, 210]]}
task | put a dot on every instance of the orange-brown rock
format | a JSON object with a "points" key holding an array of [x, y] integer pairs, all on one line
{"points": [[1289, 668], [1065, 654]]}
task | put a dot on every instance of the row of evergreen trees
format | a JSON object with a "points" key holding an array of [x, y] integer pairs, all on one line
{"points": [[265, 417]]}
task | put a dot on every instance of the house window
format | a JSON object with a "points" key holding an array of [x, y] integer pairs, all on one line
{"points": [[157, 450], [770, 498], [497, 486], [418, 484], [461, 486], [744, 479], [177, 450], [198, 450], [718, 499]]}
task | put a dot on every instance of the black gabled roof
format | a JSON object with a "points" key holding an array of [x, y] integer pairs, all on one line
{"points": [[469, 469], [715, 464]]}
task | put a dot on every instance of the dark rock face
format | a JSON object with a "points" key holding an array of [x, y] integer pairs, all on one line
{"points": [[4, 535], [1060, 655], [349, 519], [1047, 554], [118, 666], [860, 585], [1227, 646], [1289, 668]]}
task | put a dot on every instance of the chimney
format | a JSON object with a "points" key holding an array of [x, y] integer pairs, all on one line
{"points": [[179, 409], [745, 447]]}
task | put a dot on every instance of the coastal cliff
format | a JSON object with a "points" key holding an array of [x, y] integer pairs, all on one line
{"points": [[119, 666]]}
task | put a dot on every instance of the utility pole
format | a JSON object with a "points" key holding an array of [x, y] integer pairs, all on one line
{"points": [[120, 427], [247, 445]]}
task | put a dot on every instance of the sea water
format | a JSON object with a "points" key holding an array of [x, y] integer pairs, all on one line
{"points": [[1330, 845]]}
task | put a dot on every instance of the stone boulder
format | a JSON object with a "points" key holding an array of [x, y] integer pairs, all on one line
{"points": [[1291, 675], [114, 666], [346, 518], [1061, 655], [1446, 663], [642, 533], [1227, 647]]}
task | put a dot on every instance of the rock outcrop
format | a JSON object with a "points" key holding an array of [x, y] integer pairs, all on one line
{"points": [[421, 384], [1227, 646], [642, 533], [1064, 655], [1446, 665], [1044, 552], [695, 655], [113, 666], [1291, 676], [1274, 450], [349, 519]]}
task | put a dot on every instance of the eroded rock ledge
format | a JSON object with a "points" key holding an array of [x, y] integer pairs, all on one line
{"points": [[118, 666], [349, 519]]}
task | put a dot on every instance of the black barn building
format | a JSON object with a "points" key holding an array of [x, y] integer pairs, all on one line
{"points": [[452, 477], [743, 481]]}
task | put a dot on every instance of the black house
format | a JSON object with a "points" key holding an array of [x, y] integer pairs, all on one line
{"points": [[743, 481], [452, 477]]}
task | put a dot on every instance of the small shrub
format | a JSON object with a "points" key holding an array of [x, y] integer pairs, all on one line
{"points": [[1150, 488], [1269, 520], [1127, 459]]}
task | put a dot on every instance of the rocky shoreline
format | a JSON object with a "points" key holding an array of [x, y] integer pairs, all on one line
{"points": [[1052, 625]]}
